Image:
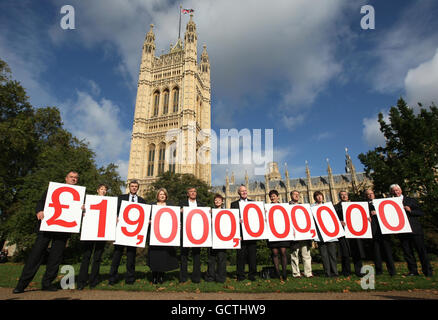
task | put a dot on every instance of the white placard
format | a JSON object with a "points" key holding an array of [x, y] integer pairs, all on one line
{"points": [[327, 221], [302, 221], [196, 227], [226, 229], [391, 215], [100, 218], [356, 216], [165, 226], [133, 224], [278, 222], [253, 218], [63, 208]]}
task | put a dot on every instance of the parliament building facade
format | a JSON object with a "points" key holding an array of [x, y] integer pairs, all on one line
{"points": [[173, 109]]}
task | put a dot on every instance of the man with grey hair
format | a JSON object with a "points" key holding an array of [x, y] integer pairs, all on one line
{"points": [[416, 238]]}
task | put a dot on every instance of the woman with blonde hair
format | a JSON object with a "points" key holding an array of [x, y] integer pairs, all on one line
{"points": [[161, 258]]}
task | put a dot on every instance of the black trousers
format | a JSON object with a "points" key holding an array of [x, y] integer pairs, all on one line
{"points": [[196, 256], [408, 243], [328, 256], [130, 262], [247, 252], [349, 249], [35, 258], [88, 247], [382, 247], [217, 265]]}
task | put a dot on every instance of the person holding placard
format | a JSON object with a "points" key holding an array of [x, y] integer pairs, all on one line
{"points": [[118, 249], [58, 240], [89, 246], [191, 201], [416, 238], [217, 258], [327, 249], [349, 247], [381, 242], [303, 246], [161, 258], [278, 247], [248, 248]]}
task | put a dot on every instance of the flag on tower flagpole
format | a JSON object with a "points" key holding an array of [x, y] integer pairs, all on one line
{"points": [[187, 11]]}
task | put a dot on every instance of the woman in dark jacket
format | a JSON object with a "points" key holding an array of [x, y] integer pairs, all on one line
{"points": [[161, 258]]}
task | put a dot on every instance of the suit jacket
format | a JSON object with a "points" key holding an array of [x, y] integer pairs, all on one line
{"points": [[126, 198], [235, 204], [412, 216]]}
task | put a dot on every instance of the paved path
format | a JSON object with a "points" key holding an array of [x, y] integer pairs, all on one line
{"points": [[6, 294]]}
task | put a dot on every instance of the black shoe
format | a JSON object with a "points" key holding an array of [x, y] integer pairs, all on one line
{"points": [[160, 279], [81, 286], [111, 282], [50, 288], [412, 274], [129, 281], [196, 281], [251, 278], [18, 290]]}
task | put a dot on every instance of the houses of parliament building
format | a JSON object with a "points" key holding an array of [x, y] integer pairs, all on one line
{"points": [[173, 108]]}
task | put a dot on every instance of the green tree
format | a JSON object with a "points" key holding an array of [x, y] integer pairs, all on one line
{"points": [[410, 159], [36, 149], [176, 185]]}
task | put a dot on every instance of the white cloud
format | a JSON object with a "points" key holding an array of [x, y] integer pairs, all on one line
{"points": [[98, 123], [421, 83], [371, 132], [406, 44], [289, 41], [292, 122]]}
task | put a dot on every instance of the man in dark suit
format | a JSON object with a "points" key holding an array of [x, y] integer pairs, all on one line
{"points": [[381, 242], [58, 239], [118, 249], [196, 252], [248, 248], [349, 247], [416, 238]]}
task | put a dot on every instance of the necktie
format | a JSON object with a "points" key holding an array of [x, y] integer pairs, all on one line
{"points": [[132, 198]]}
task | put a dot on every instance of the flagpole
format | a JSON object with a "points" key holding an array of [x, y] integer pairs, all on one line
{"points": [[179, 30]]}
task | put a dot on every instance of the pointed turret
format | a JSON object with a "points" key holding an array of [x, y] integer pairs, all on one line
{"points": [[331, 181], [191, 38], [349, 168], [309, 182], [149, 42]]}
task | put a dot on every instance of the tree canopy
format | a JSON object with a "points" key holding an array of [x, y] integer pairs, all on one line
{"points": [[176, 185], [35, 150], [409, 158]]}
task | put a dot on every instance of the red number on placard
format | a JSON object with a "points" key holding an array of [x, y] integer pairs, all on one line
{"points": [[157, 225], [139, 222], [101, 207], [294, 219], [217, 225], [400, 215], [364, 219], [259, 215], [58, 207], [332, 215], [286, 221], [189, 226]]}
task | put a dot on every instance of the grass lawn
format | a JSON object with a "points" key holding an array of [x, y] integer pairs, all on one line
{"points": [[10, 272]]}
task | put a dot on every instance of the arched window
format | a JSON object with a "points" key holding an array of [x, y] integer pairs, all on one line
{"points": [[175, 99], [156, 102], [166, 101], [151, 159], [172, 156], [161, 158]]}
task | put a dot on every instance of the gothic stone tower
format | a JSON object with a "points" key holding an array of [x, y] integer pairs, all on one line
{"points": [[171, 129]]}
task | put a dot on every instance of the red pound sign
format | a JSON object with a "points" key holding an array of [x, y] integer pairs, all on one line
{"points": [[58, 207]]}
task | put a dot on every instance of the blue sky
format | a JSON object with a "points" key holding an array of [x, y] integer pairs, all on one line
{"points": [[305, 69]]}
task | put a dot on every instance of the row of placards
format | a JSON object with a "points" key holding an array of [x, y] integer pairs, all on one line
{"points": [[206, 227]]}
